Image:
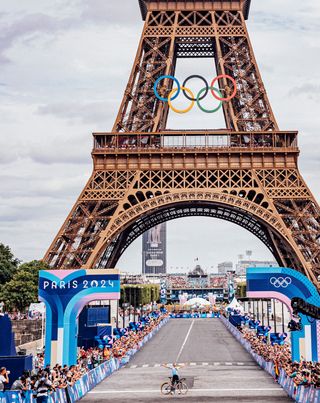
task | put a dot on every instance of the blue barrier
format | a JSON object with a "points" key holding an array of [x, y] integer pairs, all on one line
{"points": [[83, 385], [300, 394]]}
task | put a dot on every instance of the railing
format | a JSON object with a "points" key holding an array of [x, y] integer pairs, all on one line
{"points": [[206, 140]]}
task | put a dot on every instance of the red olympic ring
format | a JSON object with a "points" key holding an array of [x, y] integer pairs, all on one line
{"points": [[234, 89]]}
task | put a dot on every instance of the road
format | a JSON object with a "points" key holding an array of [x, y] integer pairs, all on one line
{"points": [[218, 368]]}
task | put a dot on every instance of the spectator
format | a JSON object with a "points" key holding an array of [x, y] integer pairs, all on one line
{"points": [[19, 384], [4, 378], [42, 388]]}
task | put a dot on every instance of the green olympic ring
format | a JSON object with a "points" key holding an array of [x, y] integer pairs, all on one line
{"points": [[199, 96]]}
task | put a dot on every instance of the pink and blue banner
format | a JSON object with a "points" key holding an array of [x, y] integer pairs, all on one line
{"points": [[65, 293]]}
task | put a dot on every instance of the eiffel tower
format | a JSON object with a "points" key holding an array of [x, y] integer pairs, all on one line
{"points": [[144, 174]]}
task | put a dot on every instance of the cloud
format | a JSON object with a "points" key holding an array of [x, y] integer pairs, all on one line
{"points": [[306, 90], [92, 112], [86, 12]]}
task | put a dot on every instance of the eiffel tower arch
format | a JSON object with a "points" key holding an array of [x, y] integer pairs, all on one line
{"points": [[144, 174]]}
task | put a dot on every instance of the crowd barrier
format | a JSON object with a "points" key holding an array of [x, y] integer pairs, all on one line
{"points": [[86, 383], [300, 394], [194, 315]]}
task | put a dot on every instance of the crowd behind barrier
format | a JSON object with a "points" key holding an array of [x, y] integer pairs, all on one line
{"points": [[308, 393], [185, 281], [92, 368], [179, 315]]}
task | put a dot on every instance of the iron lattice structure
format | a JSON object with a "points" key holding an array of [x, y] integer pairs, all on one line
{"points": [[144, 174]]}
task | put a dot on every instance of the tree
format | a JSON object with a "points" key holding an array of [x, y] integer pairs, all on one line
{"points": [[141, 294], [8, 264], [22, 289], [241, 290], [19, 292]]}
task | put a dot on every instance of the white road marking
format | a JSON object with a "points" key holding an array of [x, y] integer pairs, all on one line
{"points": [[191, 390], [216, 364], [133, 366], [185, 340], [145, 365], [240, 363], [157, 365], [228, 363], [193, 363], [205, 363]]}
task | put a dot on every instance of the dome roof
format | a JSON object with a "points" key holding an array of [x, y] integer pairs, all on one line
{"points": [[197, 271]]}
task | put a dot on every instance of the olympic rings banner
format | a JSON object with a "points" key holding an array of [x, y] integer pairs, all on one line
{"points": [[187, 92]]}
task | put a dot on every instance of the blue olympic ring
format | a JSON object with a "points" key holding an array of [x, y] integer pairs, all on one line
{"points": [[156, 90]]}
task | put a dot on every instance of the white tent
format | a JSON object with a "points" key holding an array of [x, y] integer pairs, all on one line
{"points": [[235, 305], [197, 302]]}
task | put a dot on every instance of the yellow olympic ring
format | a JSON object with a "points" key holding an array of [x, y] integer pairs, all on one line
{"points": [[181, 110]]}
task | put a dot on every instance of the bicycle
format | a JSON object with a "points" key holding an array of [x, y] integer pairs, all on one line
{"points": [[168, 388]]}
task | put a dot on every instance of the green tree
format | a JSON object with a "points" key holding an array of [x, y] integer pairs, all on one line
{"points": [[8, 264], [241, 290], [141, 294], [22, 289]]}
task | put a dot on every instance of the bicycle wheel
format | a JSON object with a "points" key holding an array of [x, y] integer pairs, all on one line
{"points": [[166, 388], [182, 388]]}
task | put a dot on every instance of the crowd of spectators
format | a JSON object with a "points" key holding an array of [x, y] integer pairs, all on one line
{"points": [[43, 379], [304, 373], [185, 281], [218, 282]]}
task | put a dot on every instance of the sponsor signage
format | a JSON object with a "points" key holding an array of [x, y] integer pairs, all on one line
{"points": [[154, 250]]}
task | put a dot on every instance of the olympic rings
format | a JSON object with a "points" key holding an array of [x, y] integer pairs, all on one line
{"points": [[184, 89], [282, 282], [201, 78], [200, 96], [234, 88], [156, 85]]}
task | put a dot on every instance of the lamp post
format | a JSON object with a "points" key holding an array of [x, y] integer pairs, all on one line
{"points": [[124, 307], [117, 313]]}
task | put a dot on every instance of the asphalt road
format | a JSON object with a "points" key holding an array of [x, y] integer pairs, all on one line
{"points": [[217, 369]]}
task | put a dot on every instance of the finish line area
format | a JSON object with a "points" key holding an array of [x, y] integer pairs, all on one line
{"points": [[217, 366]]}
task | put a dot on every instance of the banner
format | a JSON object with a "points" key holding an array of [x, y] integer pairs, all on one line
{"points": [[154, 250], [65, 293], [163, 291]]}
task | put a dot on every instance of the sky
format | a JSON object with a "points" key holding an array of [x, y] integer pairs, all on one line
{"points": [[64, 65]]}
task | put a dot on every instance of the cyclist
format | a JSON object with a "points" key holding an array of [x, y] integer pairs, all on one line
{"points": [[174, 372]]}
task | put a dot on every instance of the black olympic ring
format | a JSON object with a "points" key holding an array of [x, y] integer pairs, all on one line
{"points": [[206, 87]]}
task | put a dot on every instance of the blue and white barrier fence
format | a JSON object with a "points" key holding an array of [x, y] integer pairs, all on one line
{"points": [[300, 394], [194, 315], [83, 385]]}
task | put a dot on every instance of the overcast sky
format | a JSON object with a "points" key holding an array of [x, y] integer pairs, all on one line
{"points": [[64, 65]]}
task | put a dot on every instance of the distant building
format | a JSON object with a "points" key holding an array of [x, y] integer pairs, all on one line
{"points": [[224, 267], [242, 265]]}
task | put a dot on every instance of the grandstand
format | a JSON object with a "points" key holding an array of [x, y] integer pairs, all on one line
{"points": [[196, 284]]}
